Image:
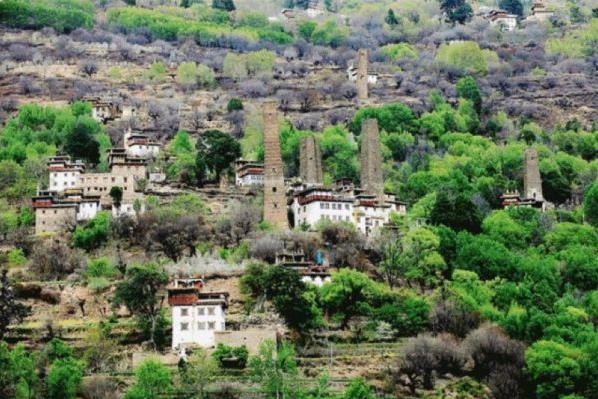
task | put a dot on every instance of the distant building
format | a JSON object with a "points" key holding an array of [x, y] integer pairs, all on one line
{"points": [[54, 211], [310, 273], [196, 315], [315, 204], [140, 145], [64, 174], [249, 173], [502, 19], [532, 186], [539, 12]]}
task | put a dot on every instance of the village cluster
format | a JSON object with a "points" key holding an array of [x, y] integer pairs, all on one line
{"points": [[199, 317]]}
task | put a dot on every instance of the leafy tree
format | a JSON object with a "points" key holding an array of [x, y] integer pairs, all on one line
{"points": [[420, 258], [390, 265], [512, 6], [199, 371], [81, 143], [10, 309], [358, 389], [590, 205], [467, 88], [18, 374], [466, 56], [64, 378], [485, 256], [152, 381], [391, 18], [226, 5], [554, 368], [139, 293], [456, 211], [94, 233], [580, 266], [116, 193], [456, 11], [275, 370], [306, 29], [217, 150]]}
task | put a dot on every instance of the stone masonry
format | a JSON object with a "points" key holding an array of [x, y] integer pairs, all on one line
{"points": [[275, 203], [310, 160], [372, 181], [532, 182], [362, 74]]}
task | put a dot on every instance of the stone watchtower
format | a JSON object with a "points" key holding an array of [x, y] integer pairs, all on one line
{"points": [[372, 181], [275, 202], [532, 182], [310, 160], [362, 74]]}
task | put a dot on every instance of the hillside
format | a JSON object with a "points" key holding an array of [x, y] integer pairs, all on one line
{"points": [[348, 199]]}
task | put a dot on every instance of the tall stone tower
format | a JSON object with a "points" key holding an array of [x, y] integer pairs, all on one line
{"points": [[372, 181], [275, 202], [362, 74], [532, 182], [310, 160]]}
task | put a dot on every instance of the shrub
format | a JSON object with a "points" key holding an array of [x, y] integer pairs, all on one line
{"points": [[467, 56], [100, 267], [399, 51], [62, 15], [234, 104], [93, 234], [231, 357]]}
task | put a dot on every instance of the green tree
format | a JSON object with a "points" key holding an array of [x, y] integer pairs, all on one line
{"points": [[512, 6], [275, 370], [358, 389], [116, 193], [421, 259], [64, 378], [391, 18], [554, 368], [234, 104], [152, 381], [456, 211], [217, 150], [456, 11], [467, 88], [226, 5], [94, 233], [590, 205], [306, 29], [199, 371], [10, 309], [139, 293], [81, 142]]}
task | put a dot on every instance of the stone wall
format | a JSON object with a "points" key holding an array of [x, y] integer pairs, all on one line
{"points": [[55, 219], [275, 202], [372, 181], [310, 160], [252, 338]]}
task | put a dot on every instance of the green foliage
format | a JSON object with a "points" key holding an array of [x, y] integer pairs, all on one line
{"points": [[329, 34], [139, 292], [358, 389], [456, 211], [576, 43], [152, 381], [189, 74], [512, 6], [216, 152], [18, 374], [456, 11], [590, 205], [100, 267], [467, 56], [94, 233], [392, 118], [226, 5], [399, 51], [467, 88], [306, 29], [62, 15], [231, 357], [275, 370], [64, 378], [116, 193], [234, 104]]}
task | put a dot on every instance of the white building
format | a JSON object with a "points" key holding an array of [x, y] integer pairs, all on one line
{"points": [[141, 146], [316, 204], [248, 173], [196, 315], [502, 19], [352, 75], [64, 174]]}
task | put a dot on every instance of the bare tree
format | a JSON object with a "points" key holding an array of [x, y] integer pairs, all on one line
{"points": [[88, 68]]}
